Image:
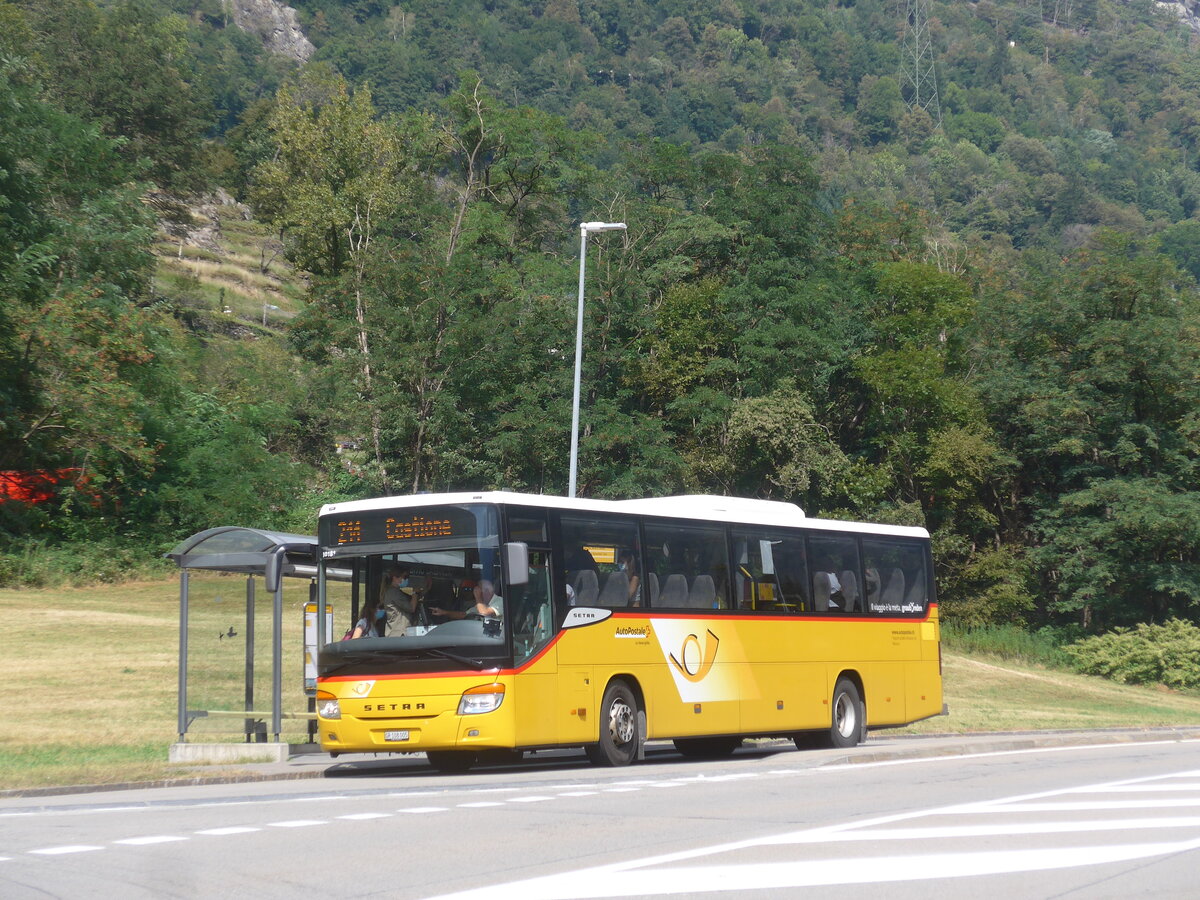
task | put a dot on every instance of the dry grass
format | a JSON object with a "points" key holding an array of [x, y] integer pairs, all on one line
{"points": [[93, 675], [227, 272], [1002, 696]]}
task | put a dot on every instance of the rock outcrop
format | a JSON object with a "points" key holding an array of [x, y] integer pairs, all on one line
{"points": [[1188, 12], [274, 23]]}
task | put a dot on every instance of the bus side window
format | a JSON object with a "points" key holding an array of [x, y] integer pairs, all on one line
{"points": [[692, 564], [895, 571], [771, 574], [836, 557], [602, 561]]}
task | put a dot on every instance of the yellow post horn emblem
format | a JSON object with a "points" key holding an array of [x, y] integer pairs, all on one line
{"points": [[705, 658]]}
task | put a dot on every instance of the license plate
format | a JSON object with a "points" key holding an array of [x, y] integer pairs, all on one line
{"points": [[395, 735]]}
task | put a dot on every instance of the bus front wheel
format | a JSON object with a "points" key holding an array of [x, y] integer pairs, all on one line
{"points": [[619, 738], [848, 723]]}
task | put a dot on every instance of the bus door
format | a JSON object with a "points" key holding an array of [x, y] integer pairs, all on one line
{"points": [[530, 609]]}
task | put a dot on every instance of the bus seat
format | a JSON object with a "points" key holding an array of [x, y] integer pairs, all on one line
{"points": [[652, 580], [616, 590], [821, 590], [893, 594], [849, 591], [703, 594], [587, 588], [675, 591]]}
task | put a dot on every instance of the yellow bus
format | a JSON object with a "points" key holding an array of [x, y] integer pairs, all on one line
{"points": [[538, 622]]}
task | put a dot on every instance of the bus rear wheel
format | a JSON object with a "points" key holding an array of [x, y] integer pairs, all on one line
{"points": [[707, 748], [451, 760], [848, 723], [619, 737]]}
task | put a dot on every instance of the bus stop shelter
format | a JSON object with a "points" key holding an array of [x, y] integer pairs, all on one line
{"points": [[270, 555]]}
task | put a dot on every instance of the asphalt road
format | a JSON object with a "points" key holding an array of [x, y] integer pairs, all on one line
{"points": [[1096, 815]]}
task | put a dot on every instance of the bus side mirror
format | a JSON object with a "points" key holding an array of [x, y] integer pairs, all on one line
{"points": [[516, 562]]}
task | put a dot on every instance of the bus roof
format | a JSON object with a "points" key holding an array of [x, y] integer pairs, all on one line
{"points": [[704, 507]]}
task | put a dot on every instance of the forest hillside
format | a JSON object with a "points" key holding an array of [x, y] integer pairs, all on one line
{"points": [[236, 283]]}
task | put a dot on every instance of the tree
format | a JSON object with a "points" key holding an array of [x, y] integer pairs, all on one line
{"points": [[336, 175], [129, 68], [1092, 375]]}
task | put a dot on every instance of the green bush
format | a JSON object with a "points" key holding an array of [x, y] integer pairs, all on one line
{"points": [[42, 564], [1009, 642], [1166, 654]]}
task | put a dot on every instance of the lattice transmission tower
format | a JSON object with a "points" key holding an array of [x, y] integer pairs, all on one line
{"points": [[918, 75]]}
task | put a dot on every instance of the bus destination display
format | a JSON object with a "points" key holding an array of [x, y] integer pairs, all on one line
{"points": [[372, 529]]}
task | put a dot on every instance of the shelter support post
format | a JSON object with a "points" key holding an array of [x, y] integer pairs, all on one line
{"points": [[183, 654], [277, 648]]}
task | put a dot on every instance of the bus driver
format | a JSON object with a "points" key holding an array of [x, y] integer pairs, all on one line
{"points": [[487, 603]]}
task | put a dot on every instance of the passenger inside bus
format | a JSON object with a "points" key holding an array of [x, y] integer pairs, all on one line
{"points": [[487, 603], [400, 602], [628, 565]]}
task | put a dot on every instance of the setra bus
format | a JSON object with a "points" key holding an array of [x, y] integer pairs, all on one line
{"points": [[547, 622]]}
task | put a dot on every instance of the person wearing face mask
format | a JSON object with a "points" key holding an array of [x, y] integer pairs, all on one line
{"points": [[368, 623], [398, 602]]}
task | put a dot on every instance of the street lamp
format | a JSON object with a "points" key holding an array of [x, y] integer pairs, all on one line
{"points": [[584, 228], [267, 306]]}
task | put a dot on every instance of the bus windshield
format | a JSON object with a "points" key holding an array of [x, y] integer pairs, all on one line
{"points": [[427, 590]]}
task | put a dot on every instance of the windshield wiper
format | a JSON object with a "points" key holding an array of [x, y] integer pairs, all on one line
{"points": [[446, 654]]}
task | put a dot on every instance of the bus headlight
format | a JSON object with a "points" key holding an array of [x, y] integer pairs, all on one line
{"points": [[327, 706], [482, 699]]}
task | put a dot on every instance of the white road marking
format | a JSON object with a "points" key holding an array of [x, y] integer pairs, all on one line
{"points": [[232, 829], [362, 817], [703, 870], [152, 839], [69, 848], [532, 798], [620, 790], [1080, 806], [1138, 788], [636, 880], [480, 804], [297, 823], [868, 835], [578, 793], [833, 767], [423, 809]]}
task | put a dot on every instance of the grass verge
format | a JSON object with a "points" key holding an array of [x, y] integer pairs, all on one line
{"points": [[92, 675]]}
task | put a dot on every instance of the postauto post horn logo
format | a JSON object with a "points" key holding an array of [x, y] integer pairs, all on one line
{"points": [[697, 661]]}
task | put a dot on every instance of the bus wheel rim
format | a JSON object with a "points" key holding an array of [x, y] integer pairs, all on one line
{"points": [[844, 715], [621, 722]]}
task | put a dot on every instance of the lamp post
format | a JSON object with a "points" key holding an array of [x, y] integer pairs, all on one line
{"points": [[584, 228]]}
